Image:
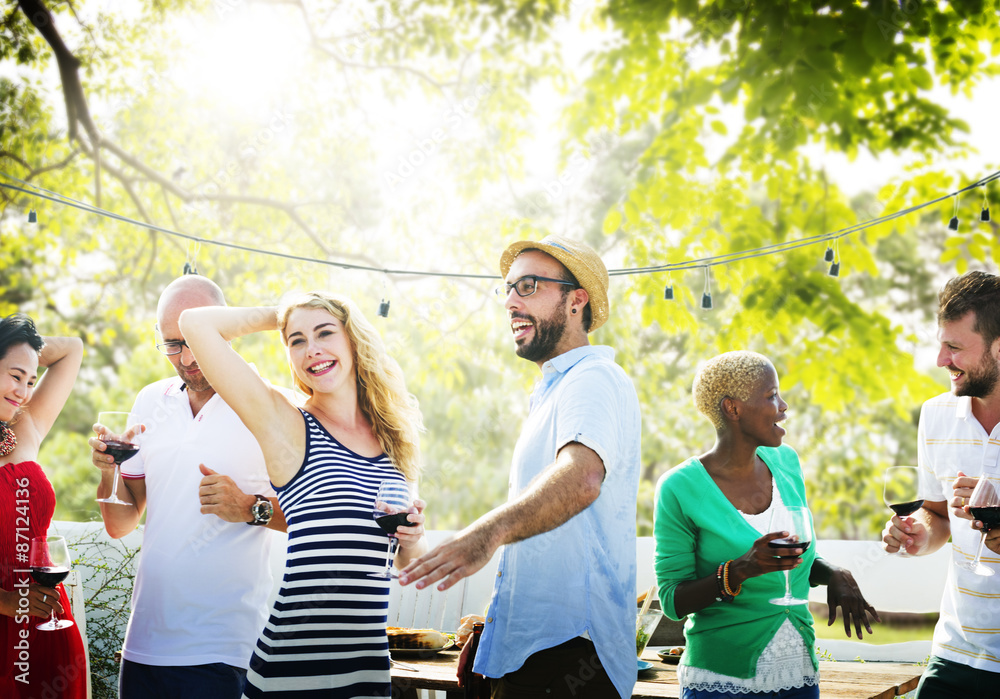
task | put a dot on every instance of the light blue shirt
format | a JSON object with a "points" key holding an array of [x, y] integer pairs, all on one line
{"points": [[578, 578]]}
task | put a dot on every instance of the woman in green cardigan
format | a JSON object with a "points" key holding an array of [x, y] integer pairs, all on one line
{"points": [[713, 564]]}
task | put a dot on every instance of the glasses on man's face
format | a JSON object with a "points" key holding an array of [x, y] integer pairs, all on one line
{"points": [[172, 348], [526, 286]]}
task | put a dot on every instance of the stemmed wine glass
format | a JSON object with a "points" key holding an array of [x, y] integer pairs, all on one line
{"points": [[797, 521], [49, 562], [121, 437], [390, 510], [899, 491], [984, 504]]}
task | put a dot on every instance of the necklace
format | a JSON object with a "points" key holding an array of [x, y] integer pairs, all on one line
{"points": [[9, 440]]}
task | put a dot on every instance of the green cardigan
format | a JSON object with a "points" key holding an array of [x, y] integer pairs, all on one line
{"points": [[697, 528]]}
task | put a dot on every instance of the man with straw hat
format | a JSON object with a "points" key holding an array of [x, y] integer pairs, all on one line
{"points": [[562, 619]]}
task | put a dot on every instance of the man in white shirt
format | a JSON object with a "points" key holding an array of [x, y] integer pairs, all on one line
{"points": [[200, 594], [959, 440]]}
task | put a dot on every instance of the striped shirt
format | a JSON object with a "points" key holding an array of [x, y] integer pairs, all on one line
{"points": [[951, 439], [326, 633]]}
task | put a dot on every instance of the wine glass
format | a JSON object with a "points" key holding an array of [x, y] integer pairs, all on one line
{"points": [[899, 491], [121, 437], [49, 562], [984, 504], [390, 511], [797, 521]]}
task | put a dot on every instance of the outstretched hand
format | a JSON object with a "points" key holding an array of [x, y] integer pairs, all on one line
{"points": [[843, 591], [453, 560]]}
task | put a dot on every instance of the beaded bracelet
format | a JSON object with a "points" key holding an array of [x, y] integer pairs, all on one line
{"points": [[724, 594], [725, 582]]}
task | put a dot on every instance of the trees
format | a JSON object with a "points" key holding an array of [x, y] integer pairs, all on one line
{"points": [[404, 141]]}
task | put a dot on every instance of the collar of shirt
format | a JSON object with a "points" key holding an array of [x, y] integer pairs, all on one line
{"points": [[963, 411]]}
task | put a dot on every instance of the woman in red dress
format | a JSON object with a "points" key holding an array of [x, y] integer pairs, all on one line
{"points": [[35, 664]]}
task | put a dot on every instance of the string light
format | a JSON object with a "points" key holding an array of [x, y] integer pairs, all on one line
{"points": [[727, 258], [953, 223], [835, 262], [984, 215], [706, 297], [668, 290], [32, 218], [383, 307], [828, 257]]}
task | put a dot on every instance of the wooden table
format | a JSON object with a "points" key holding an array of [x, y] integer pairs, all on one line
{"points": [[838, 680]]}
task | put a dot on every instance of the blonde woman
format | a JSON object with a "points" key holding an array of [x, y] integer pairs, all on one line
{"points": [[713, 563], [358, 427]]}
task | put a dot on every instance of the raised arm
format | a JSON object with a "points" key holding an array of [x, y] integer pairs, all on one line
{"points": [[62, 357], [267, 413], [566, 488]]}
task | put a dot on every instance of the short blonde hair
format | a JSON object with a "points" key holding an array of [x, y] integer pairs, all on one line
{"points": [[729, 375], [382, 395]]}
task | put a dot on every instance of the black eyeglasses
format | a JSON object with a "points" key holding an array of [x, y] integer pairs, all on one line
{"points": [[526, 286], [172, 348]]}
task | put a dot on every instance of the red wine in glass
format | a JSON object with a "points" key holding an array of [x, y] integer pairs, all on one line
{"points": [[989, 516], [905, 509], [120, 451], [49, 561], [984, 504], [49, 576], [390, 523], [899, 492], [390, 510], [789, 543], [797, 521], [120, 433]]}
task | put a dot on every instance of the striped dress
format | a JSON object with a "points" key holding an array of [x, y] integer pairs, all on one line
{"points": [[326, 633]]}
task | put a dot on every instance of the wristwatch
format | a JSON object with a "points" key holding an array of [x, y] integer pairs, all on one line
{"points": [[262, 511]]}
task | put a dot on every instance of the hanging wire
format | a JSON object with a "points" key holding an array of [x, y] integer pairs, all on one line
{"points": [[726, 258]]}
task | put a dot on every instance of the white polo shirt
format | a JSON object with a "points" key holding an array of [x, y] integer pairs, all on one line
{"points": [[951, 439], [201, 591]]}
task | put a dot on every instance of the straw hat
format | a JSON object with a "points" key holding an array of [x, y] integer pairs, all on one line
{"points": [[582, 262]]}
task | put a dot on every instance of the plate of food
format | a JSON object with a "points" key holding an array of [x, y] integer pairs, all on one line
{"points": [[671, 655], [416, 641]]}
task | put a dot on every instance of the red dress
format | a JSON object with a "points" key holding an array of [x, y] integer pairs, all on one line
{"points": [[52, 662]]}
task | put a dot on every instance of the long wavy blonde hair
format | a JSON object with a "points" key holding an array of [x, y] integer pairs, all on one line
{"points": [[382, 396]]}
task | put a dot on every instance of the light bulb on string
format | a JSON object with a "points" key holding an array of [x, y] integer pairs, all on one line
{"points": [[191, 264], [828, 257], [953, 223], [835, 262], [383, 306], [668, 290], [32, 217], [984, 215], [706, 297]]}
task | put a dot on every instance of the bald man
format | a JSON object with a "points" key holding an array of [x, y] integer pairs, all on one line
{"points": [[201, 590]]}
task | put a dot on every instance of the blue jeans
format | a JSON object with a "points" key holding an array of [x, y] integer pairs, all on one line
{"points": [[800, 693], [213, 681]]}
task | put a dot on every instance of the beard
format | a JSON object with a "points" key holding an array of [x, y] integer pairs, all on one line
{"points": [[197, 385], [548, 333], [981, 382]]}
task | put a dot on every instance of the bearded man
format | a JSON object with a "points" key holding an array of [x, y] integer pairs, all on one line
{"points": [[959, 441], [562, 618]]}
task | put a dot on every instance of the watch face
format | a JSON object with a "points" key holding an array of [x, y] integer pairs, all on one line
{"points": [[262, 511]]}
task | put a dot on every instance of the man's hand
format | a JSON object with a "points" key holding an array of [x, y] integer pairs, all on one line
{"points": [[221, 497], [904, 531], [453, 560], [993, 539], [962, 488]]}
